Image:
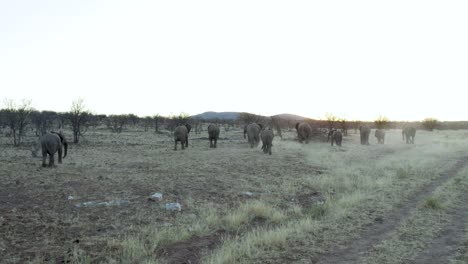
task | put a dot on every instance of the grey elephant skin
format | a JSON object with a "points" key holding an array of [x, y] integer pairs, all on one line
{"points": [[267, 140], [364, 131], [380, 135], [335, 136], [409, 133], [213, 135], [253, 134], [304, 132], [51, 143], [181, 134]]}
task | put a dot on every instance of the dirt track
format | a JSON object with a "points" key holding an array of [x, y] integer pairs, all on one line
{"points": [[380, 230]]}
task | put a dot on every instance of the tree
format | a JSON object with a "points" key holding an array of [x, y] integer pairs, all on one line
{"points": [[43, 121], [276, 122], [381, 122], [78, 117], [157, 121], [331, 120], [17, 117], [344, 126], [117, 122], [248, 118], [430, 123]]}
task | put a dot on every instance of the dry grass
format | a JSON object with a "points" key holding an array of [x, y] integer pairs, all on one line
{"points": [[305, 198]]}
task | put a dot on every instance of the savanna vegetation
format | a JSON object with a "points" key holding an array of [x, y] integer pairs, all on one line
{"points": [[305, 203]]}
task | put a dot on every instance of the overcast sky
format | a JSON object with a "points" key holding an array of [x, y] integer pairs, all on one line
{"points": [[406, 60]]}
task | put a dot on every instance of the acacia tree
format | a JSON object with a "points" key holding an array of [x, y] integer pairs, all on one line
{"points": [[78, 117], [343, 125], [17, 117], [331, 120], [157, 120], [430, 123], [381, 122]]}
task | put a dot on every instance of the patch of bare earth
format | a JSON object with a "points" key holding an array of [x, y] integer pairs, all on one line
{"points": [[381, 229]]}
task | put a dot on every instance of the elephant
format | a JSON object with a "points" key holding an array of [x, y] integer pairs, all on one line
{"points": [[53, 142], [365, 131], [253, 133], [213, 135], [336, 137], [181, 134], [380, 135], [304, 132], [409, 133], [267, 140]]}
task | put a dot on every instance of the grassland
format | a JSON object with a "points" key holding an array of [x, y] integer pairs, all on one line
{"points": [[306, 203]]}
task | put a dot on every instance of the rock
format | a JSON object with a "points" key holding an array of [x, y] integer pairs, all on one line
{"points": [[156, 197], [69, 198], [248, 194], [173, 207]]}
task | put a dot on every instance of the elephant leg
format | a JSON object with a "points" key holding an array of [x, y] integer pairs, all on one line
{"points": [[211, 142], [44, 157], [215, 142], [175, 144], [269, 149], [60, 155], [182, 143], [186, 141], [51, 160]]}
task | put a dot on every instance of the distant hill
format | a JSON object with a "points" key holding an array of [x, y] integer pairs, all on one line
{"points": [[219, 115], [235, 115], [290, 117]]}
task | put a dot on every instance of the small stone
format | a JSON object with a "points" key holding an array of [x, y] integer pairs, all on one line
{"points": [[173, 207], [249, 194], [156, 197]]}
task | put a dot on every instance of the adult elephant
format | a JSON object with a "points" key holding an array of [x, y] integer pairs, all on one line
{"points": [[304, 132], [409, 133], [51, 143], [267, 140], [380, 135], [253, 134], [365, 131], [335, 136], [181, 134], [213, 135]]}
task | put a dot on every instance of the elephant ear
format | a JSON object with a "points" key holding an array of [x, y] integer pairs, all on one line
{"points": [[261, 126], [297, 125], [189, 127]]}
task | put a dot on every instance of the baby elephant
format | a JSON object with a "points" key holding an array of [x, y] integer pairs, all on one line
{"points": [[181, 134], [380, 135], [336, 137], [267, 140], [213, 135], [53, 142]]}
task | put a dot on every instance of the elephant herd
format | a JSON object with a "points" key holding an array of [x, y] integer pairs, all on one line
{"points": [[55, 142]]}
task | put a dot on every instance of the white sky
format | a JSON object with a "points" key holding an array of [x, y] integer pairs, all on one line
{"points": [[406, 60]]}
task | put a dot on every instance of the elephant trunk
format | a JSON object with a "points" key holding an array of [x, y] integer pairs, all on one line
{"points": [[65, 147]]}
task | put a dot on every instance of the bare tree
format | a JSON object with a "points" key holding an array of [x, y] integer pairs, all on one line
{"points": [[331, 120], [43, 121], [17, 117], [430, 123], [78, 117], [343, 125], [276, 122], [117, 122], [381, 122], [157, 122]]}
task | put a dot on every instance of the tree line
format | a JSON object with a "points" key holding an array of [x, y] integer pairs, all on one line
{"points": [[17, 117]]}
